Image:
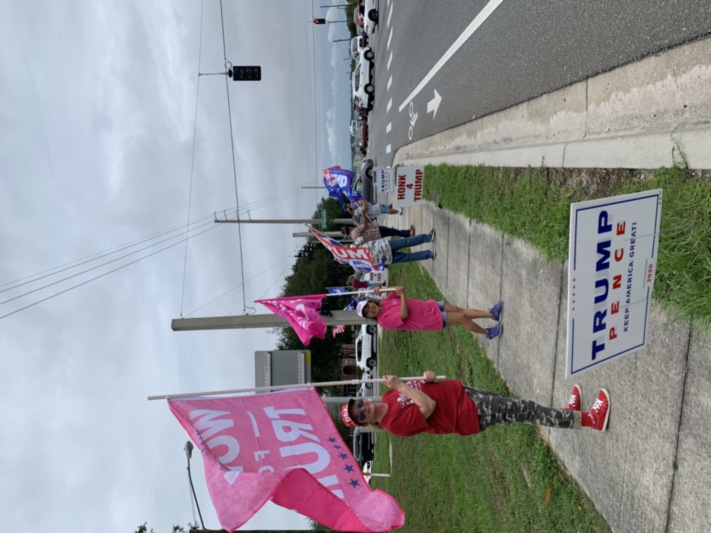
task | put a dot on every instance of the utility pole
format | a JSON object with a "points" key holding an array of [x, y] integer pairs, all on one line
{"points": [[347, 318], [308, 234], [312, 221]]}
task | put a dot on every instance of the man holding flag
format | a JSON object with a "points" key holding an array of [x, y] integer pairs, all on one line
{"points": [[449, 407]]}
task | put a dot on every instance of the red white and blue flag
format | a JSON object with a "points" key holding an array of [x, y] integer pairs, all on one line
{"points": [[358, 257], [282, 447]]}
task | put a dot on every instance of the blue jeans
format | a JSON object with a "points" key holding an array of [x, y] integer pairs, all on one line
{"points": [[386, 231], [406, 242]]}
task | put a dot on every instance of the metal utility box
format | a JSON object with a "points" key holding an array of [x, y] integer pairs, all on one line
{"points": [[282, 367]]}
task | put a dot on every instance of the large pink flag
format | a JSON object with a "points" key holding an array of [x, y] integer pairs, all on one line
{"points": [[282, 446], [302, 314]]}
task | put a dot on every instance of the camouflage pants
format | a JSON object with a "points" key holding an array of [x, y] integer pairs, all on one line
{"points": [[496, 409]]}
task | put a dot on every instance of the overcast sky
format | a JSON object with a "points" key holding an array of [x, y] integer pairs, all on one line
{"points": [[97, 118]]}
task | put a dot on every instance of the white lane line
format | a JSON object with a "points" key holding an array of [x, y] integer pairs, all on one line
{"points": [[388, 127], [387, 149], [390, 60], [390, 38], [473, 26], [390, 15], [390, 82], [390, 104]]}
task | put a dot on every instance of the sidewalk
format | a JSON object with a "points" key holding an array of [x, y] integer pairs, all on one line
{"points": [[651, 470]]}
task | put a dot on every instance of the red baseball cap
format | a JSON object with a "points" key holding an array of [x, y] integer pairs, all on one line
{"points": [[346, 416]]}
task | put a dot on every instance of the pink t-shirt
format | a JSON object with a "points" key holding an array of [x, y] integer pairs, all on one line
{"points": [[455, 411], [422, 315]]}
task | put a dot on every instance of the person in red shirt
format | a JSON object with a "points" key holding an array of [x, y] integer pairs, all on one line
{"points": [[447, 406], [396, 311]]}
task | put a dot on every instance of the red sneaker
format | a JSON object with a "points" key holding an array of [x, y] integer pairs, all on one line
{"points": [[575, 399], [596, 417]]}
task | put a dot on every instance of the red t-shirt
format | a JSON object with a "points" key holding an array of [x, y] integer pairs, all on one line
{"points": [[455, 411], [422, 315]]}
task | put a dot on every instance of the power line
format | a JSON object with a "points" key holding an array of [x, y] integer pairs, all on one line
{"points": [[192, 162], [232, 146], [99, 276], [27, 293]]}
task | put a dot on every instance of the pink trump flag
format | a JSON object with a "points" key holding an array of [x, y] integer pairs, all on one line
{"points": [[285, 447], [302, 314]]}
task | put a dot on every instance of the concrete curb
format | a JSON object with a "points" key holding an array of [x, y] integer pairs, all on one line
{"points": [[650, 114]]}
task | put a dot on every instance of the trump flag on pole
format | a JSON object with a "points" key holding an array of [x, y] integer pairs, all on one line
{"points": [[302, 313], [357, 257], [282, 447]]}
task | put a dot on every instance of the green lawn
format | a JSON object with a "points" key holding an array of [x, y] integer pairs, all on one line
{"points": [[533, 204], [505, 479]]}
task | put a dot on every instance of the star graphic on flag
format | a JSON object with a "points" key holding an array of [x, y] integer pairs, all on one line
{"points": [[331, 439], [348, 468], [343, 455], [337, 446], [354, 483]]}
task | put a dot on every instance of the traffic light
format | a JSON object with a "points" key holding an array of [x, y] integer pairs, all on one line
{"points": [[245, 73], [319, 21]]}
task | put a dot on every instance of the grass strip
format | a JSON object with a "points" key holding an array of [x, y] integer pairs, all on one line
{"points": [[533, 204]]}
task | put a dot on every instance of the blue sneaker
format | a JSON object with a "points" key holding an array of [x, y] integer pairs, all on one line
{"points": [[494, 331], [497, 310]]}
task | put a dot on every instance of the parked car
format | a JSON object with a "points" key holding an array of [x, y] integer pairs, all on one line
{"points": [[370, 16], [363, 180], [363, 141], [366, 347], [363, 446], [357, 44], [365, 389], [365, 170], [363, 88]]}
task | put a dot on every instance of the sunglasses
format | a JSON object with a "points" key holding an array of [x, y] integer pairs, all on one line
{"points": [[359, 407]]}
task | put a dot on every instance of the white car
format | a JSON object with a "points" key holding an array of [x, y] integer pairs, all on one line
{"points": [[370, 16], [357, 44], [366, 347], [366, 389], [363, 87]]}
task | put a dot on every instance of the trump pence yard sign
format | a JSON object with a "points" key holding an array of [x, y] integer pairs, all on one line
{"points": [[614, 244]]}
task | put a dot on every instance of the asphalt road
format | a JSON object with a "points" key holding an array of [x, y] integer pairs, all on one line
{"points": [[519, 50]]}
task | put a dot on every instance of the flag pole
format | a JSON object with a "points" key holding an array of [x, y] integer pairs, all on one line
{"points": [[279, 387], [362, 291]]}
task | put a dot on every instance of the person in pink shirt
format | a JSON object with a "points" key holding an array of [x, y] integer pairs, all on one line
{"points": [[396, 311]]}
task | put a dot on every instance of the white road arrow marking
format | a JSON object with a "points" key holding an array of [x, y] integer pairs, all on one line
{"points": [[433, 105]]}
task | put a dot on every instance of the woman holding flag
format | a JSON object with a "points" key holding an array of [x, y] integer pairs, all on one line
{"points": [[397, 311]]}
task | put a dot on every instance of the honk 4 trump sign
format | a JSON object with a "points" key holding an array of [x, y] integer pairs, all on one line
{"points": [[409, 185], [614, 244]]}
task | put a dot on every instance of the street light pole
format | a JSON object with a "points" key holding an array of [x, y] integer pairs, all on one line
{"points": [[188, 453]]}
